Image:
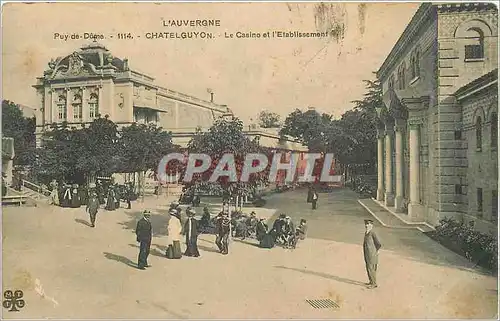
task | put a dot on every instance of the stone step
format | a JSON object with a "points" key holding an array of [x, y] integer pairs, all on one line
{"points": [[390, 219]]}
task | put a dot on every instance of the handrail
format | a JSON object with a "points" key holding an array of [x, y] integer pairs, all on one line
{"points": [[36, 188]]}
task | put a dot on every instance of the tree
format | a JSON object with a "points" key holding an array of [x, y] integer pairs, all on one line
{"points": [[22, 129], [310, 127], [143, 146], [269, 119], [77, 154], [226, 137]]}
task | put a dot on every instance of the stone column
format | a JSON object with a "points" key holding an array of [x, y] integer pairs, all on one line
{"points": [[414, 208], [85, 109], [389, 193], [69, 109], [380, 164], [398, 203]]}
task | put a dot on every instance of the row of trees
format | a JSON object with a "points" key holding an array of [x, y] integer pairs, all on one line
{"points": [[74, 154]]}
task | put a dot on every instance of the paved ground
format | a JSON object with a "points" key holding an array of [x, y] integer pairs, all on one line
{"points": [[68, 270]]}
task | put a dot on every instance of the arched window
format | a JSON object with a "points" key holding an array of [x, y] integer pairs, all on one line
{"points": [[93, 106], [401, 76], [77, 108], [479, 134], [415, 64], [391, 81], [494, 131], [62, 111], [475, 47]]}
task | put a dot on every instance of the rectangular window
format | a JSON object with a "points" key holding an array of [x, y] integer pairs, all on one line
{"points": [[474, 52], [77, 112], [479, 202], [458, 134], [62, 111], [458, 189], [92, 110], [494, 206]]}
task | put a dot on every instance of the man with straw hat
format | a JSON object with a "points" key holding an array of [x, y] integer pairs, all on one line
{"points": [[144, 236]]}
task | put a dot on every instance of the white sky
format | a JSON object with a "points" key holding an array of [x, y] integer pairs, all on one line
{"points": [[248, 75]]}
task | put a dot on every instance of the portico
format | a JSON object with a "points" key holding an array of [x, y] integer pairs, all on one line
{"points": [[399, 153]]}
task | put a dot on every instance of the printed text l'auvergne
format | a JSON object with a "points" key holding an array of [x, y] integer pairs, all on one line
{"points": [[191, 23]]}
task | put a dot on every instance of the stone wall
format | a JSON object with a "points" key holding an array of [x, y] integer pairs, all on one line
{"points": [[454, 72], [482, 167]]}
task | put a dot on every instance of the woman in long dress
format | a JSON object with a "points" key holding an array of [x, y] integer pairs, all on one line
{"points": [[111, 202], [174, 235], [191, 232]]}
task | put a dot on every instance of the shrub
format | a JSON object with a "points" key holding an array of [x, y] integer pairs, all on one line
{"points": [[480, 248]]}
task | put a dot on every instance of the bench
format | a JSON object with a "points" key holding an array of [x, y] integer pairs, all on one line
{"points": [[14, 199]]}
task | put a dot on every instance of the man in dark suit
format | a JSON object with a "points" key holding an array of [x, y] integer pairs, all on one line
{"points": [[144, 236], [314, 199], [371, 246]]}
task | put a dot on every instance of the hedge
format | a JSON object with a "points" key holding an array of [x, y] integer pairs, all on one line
{"points": [[477, 247]]}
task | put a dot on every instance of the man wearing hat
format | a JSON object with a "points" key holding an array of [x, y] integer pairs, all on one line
{"points": [[191, 232], [144, 236], [371, 246], [92, 208], [223, 230], [176, 206]]}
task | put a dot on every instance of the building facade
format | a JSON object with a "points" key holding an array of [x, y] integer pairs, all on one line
{"points": [[437, 143], [91, 82]]}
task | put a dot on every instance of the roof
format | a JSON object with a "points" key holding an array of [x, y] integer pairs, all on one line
{"points": [[420, 17], [424, 13], [478, 84]]}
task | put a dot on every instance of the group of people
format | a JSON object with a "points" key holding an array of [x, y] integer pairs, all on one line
{"points": [[282, 232], [73, 195]]}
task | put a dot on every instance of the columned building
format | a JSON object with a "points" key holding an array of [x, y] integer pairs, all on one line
{"points": [[437, 131], [90, 82]]}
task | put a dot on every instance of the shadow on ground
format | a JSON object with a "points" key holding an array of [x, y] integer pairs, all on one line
{"points": [[323, 275], [83, 222], [152, 251], [340, 218], [119, 258]]}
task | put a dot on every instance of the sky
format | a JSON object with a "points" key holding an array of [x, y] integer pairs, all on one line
{"points": [[249, 75]]}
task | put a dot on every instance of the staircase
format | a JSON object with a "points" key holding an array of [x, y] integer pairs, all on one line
{"points": [[16, 198], [34, 192]]}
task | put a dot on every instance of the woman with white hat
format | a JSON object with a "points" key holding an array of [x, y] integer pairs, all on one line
{"points": [[174, 235]]}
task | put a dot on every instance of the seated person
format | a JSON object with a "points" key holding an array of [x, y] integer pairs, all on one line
{"points": [[261, 229], [301, 230], [268, 240], [252, 222], [300, 234], [288, 231], [277, 229]]}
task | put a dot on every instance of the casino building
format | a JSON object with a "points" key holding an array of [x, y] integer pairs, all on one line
{"points": [[78, 87]]}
